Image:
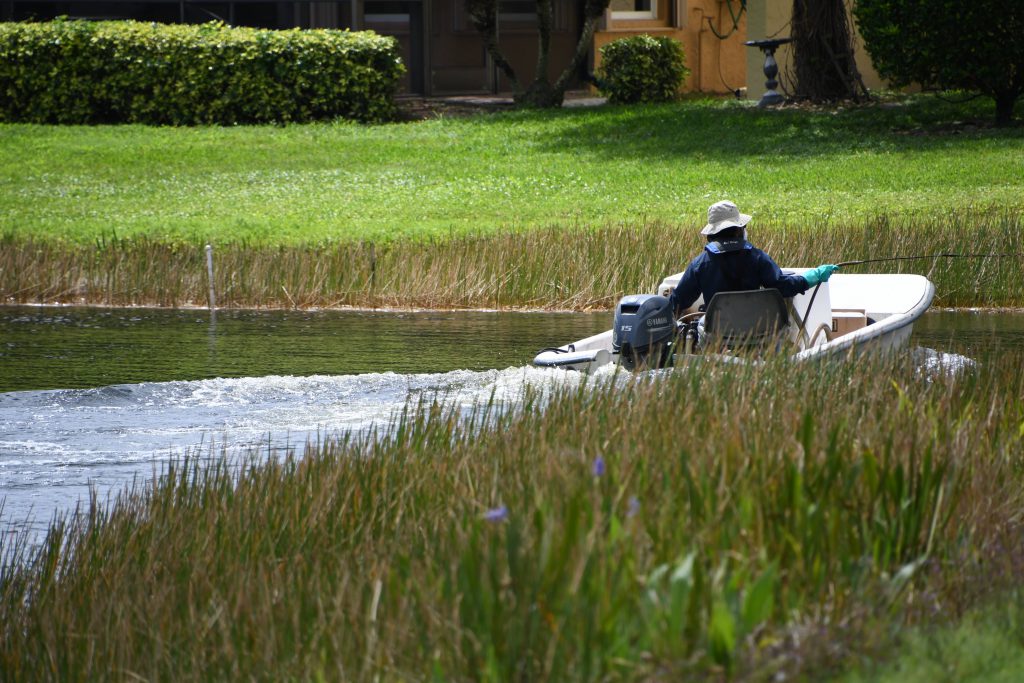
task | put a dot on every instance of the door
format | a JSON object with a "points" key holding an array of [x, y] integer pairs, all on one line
{"points": [[402, 19]]}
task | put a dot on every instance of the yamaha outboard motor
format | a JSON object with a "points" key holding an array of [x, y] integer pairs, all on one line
{"points": [[644, 331]]}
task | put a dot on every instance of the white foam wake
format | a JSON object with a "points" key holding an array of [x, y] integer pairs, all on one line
{"points": [[55, 445]]}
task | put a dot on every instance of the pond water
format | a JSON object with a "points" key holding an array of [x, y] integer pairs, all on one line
{"points": [[97, 398], [80, 348]]}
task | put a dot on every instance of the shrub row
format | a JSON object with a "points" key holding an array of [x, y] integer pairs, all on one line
{"points": [[82, 72]]}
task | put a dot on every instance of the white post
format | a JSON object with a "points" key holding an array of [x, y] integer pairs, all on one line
{"points": [[209, 273]]}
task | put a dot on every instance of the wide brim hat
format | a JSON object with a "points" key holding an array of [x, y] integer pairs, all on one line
{"points": [[723, 215]]}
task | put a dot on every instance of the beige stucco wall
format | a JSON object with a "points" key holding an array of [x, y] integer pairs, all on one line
{"points": [[723, 66], [720, 64], [716, 66]]}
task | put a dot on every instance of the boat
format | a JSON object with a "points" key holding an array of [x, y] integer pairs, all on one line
{"points": [[849, 313]]}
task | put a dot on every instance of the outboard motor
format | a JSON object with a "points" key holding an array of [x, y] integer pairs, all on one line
{"points": [[644, 331]]}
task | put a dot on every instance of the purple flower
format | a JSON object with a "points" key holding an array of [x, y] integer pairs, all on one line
{"points": [[497, 514], [598, 467], [634, 506]]}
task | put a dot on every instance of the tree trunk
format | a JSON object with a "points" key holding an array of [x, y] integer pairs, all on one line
{"points": [[543, 95], [544, 20], [582, 51], [540, 93], [823, 56], [1005, 101], [484, 16]]}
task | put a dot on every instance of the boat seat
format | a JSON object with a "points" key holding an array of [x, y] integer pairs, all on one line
{"points": [[751, 318]]}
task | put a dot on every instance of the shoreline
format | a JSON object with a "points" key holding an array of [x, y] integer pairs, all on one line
{"points": [[311, 309], [401, 309]]}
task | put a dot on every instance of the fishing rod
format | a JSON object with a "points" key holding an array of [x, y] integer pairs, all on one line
{"points": [[945, 254]]}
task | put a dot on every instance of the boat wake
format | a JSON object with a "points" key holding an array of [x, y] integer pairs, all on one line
{"points": [[935, 364], [55, 445]]}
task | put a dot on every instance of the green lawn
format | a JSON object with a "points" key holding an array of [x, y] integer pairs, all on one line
{"points": [[575, 167], [984, 646]]}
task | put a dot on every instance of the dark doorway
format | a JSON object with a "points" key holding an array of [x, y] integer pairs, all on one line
{"points": [[402, 19]]}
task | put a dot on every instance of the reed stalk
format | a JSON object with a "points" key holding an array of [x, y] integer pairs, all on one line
{"points": [[553, 268]]}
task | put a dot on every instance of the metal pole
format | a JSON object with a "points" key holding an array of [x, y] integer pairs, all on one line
{"points": [[209, 274]]}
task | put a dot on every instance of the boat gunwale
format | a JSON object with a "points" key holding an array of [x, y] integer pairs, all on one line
{"points": [[891, 324]]}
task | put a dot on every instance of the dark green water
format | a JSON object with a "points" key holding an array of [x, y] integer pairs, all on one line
{"points": [[94, 399], [73, 348], [975, 334]]}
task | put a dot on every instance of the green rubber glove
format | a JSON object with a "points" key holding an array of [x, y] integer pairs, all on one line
{"points": [[815, 276]]}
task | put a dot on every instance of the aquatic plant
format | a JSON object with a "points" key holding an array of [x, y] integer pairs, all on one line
{"points": [[733, 509], [550, 268]]}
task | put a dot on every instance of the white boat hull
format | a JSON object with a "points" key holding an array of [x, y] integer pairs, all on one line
{"points": [[888, 304]]}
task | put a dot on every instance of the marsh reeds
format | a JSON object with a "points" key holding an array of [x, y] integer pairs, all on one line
{"points": [[555, 268], [627, 529]]}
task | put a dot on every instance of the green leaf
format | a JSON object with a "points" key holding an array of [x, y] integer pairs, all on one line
{"points": [[722, 634], [759, 599]]}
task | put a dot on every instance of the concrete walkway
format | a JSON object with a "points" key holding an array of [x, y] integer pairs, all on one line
{"points": [[416, 107]]}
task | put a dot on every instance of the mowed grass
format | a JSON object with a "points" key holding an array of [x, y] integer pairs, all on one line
{"points": [[505, 172], [761, 522]]}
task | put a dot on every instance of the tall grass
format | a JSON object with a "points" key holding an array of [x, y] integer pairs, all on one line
{"points": [[643, 528], [550, 268]]}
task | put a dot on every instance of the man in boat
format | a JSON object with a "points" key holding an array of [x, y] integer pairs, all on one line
{"points": [[730, 263]]}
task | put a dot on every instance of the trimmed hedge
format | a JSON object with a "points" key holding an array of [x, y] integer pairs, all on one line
{"points": [[84, 72], [641, 69]]}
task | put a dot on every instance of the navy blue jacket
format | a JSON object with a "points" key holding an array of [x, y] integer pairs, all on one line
{"points": [[731, 266]]}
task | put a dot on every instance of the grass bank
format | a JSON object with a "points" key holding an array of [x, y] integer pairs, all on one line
{"points": [[565, 209], [590, 168], [711, 521], [553, 268]]}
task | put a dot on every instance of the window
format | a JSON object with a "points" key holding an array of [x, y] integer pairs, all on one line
{"points": [[392, 13], [518, 10], [634, 9]]}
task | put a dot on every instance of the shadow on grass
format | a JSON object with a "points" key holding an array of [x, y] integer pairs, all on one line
{"points": [[729, 130]]}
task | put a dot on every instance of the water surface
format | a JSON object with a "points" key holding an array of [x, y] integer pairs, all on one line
{"points": [[977, 334], [101, 397], [72, 348]]}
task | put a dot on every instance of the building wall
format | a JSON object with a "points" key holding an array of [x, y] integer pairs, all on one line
{"points": [[716, 66], [719, 65]]}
